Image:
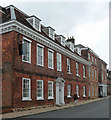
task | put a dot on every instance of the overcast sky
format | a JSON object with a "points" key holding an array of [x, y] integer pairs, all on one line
{"points": [[88, 21]]}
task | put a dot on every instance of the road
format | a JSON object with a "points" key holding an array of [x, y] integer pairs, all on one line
{"points": [[98, 109]]}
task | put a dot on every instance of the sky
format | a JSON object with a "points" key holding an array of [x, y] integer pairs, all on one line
{"points": [[87, 21]]}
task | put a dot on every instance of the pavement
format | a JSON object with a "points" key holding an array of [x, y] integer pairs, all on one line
{"points": [[16, 114]]}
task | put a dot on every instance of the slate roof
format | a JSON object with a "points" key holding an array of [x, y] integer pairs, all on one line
{"points": [[21, 17]]}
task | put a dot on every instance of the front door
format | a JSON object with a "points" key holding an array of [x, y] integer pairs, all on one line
{"points": [[59, 92]]}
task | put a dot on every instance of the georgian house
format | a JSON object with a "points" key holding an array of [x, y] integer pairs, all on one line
{"points": [[40, 67]]}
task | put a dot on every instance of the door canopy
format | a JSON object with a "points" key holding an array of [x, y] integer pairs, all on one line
{"points": [[60, 80]]}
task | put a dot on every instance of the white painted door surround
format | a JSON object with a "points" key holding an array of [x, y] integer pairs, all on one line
{"points": [[60, 91]]}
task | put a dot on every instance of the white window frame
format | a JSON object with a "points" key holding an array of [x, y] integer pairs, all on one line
{"points": [[26, 98], [77, 90], [62, 41], [39, 25], [89, 56], [89, 72], [59, 61], [84, 72], [77, 69], [52, 52], [92, 90], [50, 30], [84, 91], [24, 38], [92, 59], [50, 97], [38, 45], [69, 91], [68, 64], [42, 95], [95, 61], [89, 91]]}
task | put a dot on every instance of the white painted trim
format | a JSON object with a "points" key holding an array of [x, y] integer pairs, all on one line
{"points": [[84, 71], [69, 66], [42, 97], [60, 62], [69, 96], [52, 97], [42, 55], [24, 38], [2, 12], [49, 50], [77, 75], [12, 11], [77, 89], [18, 27], [26, 98], [27, 39]]}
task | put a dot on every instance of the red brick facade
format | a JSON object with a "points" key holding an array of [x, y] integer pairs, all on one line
{"points": [[14, 69]]}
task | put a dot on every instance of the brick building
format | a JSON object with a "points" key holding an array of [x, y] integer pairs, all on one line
{"points": [[109, 82], [40, 67], [92, 57], [102, 78]]}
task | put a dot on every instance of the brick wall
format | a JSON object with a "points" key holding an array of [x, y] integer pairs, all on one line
{"points": [[14, 70]]}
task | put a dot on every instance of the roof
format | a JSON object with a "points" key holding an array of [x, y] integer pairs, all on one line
{"points": [[21, 17], [71, 40], [80, 46], [103, 61]]}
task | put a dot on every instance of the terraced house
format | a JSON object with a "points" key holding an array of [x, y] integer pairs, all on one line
{"points": [[40, 67]]}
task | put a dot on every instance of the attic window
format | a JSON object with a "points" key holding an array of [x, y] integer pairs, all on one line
{"points": [[35, 22], [61, 39], [51, 33]]}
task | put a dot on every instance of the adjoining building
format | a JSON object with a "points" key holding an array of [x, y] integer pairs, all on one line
{"points": [[102, 77], [40, 67], [109, 82], [92, 57]]}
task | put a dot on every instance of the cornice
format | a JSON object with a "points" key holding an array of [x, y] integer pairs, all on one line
{"points": [[22, 29]]}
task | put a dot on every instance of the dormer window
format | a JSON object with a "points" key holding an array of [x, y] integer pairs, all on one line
{"points": [[35, 22], [61, 39], [49, 31]]}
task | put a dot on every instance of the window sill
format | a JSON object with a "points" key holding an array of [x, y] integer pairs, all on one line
{"points": [[84, 77], [68, 96], [84, 95], [69, 73], [40, 65], [40, 98], [26, 99], [49, 98], [77, 75], [59, 70], [51, 68], [26, 61]]}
